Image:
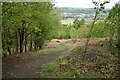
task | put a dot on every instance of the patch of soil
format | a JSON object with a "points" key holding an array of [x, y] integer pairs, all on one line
{"points": [[103, 50], [81, 42], [53, 42]]}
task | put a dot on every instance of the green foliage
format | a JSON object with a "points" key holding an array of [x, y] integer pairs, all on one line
{"points": [[113, 23], [69, 31], [76, 67], [100, 30], [24, 22], [82, 31], [72, 32], [77, 23]]}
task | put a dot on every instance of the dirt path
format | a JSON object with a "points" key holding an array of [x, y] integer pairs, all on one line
{"points": [[13, 67], [27, 67]]}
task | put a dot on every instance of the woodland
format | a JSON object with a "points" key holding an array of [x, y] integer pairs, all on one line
{"points": [[36, 44]]}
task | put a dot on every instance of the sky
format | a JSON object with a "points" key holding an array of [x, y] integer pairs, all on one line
{"points": [[81, 3]]}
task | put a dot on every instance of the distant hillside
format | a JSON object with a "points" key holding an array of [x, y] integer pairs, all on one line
{"points": [[78, 10], [86, 13]]}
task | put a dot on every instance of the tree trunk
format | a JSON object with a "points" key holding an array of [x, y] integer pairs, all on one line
{"points": [[9, 43], [26, 44], [9, 50], [21, 35], [40, 46], [31, 44], [17, 43], [21, 48], [35, 45], [90, 32], [4, 55], [21, 42], [41, 43]]}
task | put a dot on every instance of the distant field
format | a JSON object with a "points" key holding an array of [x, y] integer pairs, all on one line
{"points": [[71, 21], [67, 21]]}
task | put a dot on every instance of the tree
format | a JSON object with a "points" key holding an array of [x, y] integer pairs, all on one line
{"points": [[113, 21], [98, 7], [100, 30], [27, 23]]}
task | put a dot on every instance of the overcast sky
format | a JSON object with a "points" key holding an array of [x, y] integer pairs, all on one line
{"points": [[81, 3]]}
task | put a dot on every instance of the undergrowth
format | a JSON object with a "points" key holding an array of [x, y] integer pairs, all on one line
{"points": [[73, 64]]}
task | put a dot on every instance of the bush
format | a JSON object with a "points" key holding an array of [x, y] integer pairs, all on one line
{"points": [[82, 31]]}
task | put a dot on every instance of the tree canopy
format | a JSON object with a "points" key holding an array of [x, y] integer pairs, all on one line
{"points": [[26, 23]]}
